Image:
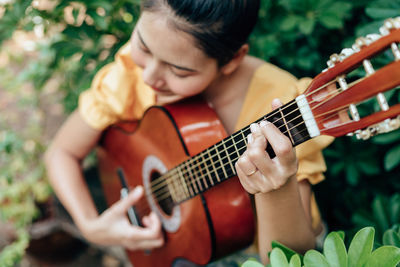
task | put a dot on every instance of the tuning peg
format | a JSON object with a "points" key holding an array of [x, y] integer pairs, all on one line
{"points": [[385, 126], [397, 22], [333, 59], [389, 24], [373, 37], [395, 123], [395, 51], [384, 31], [360, 43], [345, 53]]}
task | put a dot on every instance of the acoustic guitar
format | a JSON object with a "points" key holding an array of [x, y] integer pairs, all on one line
{"points": [[186, 163]]}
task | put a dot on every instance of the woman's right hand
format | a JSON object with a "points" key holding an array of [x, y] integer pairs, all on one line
{"points": [[112, 227]]}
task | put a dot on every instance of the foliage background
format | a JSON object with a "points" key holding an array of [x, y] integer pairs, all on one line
{"points": [[79, 37]]}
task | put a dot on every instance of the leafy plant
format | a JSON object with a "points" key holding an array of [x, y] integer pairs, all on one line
{"points": [[359, 254], [91, 33], [383, 215], [23, 183], [392, 236], [22, 186], [77, 38]]}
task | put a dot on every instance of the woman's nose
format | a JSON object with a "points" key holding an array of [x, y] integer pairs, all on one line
{"points": [[152, 73]]}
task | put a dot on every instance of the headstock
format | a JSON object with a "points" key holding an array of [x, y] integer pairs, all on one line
{"points": [[334, 98]]}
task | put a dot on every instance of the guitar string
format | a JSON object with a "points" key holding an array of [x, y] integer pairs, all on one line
{"points": [[241, 132], [232, 137], [201, 171], [214, 148], [155, 186], [285, 107], [160, 196], [275, 112], [167, 193], [171, 177]]}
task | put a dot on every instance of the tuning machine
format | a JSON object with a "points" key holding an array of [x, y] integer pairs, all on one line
{"points": [[390, 24], [385, 126]]}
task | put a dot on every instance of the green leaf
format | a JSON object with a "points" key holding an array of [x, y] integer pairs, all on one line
{"points": [[386, 256], [289, 22], [352, 174], [278, 258], [75, 14], [287, 251], [392, 158], [379, 206], [99, 21], [315, 259], [362, 220], [370, 166], [335, 250], [361, 247], [395, 209], [295, 261], [332, 17], [307, 26], [391, 237], [252, 263], [379, 13], [341, 234]]}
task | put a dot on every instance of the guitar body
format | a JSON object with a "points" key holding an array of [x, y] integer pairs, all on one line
{"points": [[186, 160], [201, 229]]}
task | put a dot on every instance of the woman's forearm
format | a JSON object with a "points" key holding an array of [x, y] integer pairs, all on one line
{"points": [[66, 178], [282, 217], [72, 143]]}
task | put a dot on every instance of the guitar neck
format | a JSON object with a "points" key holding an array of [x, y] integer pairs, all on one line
{"points": [[217, 163]]}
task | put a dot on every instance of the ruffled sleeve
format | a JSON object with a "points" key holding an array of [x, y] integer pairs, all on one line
{"points": [[117, 93]]}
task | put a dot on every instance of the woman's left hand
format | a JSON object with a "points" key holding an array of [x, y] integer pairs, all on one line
{"points": [[257, 172]]}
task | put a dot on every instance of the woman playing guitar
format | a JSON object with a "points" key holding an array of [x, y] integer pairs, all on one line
{"points": [[179, 49]]}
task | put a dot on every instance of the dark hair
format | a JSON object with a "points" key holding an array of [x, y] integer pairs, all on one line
{"points": [[220, 27]]}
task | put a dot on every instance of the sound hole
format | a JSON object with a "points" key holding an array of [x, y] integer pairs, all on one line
{"points": [[161, 193]]}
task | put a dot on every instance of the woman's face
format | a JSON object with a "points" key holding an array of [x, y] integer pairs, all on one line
{"points": [[172, 65]]}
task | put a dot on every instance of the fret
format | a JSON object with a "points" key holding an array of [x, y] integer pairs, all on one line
{"points": [[228, 147], [216, 163], [236, 149], [200, 173], [297, 126], [221, 162], [184, 185], [213, 166], [193, 174], [286, 125], [243, 136], [180, 173], [240, 143], [180, 191], [205, 166], [171, 189], [190, 176]]}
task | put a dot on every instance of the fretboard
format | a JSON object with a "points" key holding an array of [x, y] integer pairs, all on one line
{"points": [[217, 163]]}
